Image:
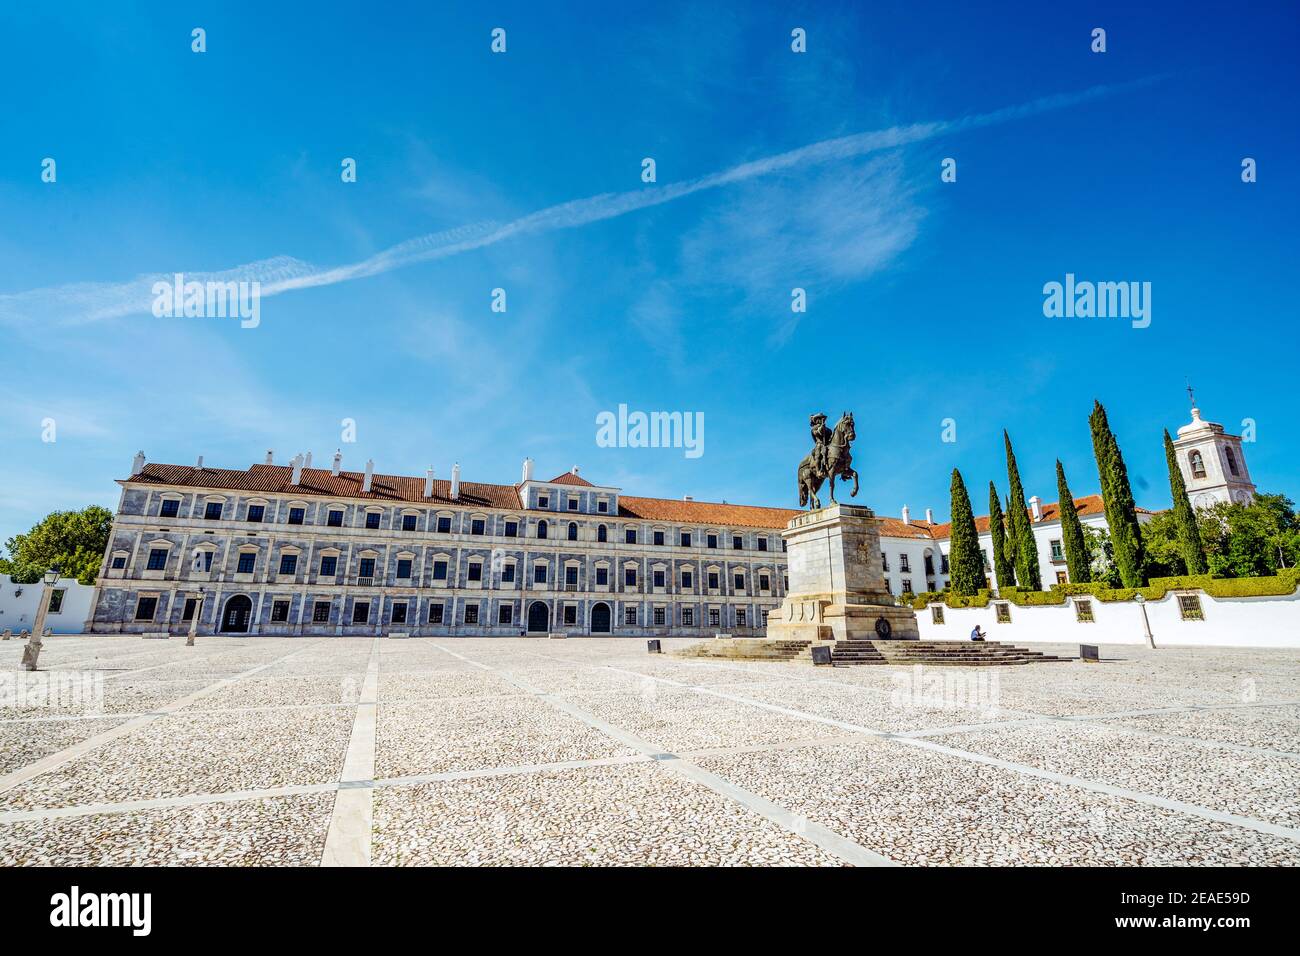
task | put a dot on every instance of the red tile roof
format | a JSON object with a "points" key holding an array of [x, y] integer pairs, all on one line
{"points": [[569, 478], [703, 512]]}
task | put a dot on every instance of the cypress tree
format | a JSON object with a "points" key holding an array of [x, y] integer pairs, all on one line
{"points": [[1077, 560], [1189, 535], [1018, 528], [1121, 511], [964, 557], [1002, 565]]}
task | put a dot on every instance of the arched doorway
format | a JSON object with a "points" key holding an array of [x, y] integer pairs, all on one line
{"points": [[234, 620], [539, 617], [600, 618]]}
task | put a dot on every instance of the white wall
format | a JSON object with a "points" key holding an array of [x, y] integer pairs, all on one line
{"points": [[19, 603], [1229, 622]]}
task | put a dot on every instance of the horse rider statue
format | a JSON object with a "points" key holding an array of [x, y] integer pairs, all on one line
{"points": [[830, 457]]}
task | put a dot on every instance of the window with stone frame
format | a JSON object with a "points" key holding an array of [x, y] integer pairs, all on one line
{"points": [[320, 612], [410, 522], [256, 513], [602, 576], [570, 614], [146, 608], [629, 615], [399, 612], [659, 615], [512, 529], [372, 520], [629, 536], [505, 614], [157, 559], [279, 612], [361, 612], [169, 508], [936, 613], [1189, 607], [471, 613], [715, 617], [247, 562], [477, 526], [288, 564], [440, 569], [740, 617], [334, 519], [476, 571], [444, 524], [403, 569], [688, 617], [1003, 611], [296, 515], [1083, 611], [212, 511], [435, 613]]}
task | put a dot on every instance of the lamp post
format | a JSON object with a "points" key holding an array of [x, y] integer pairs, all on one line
{"points": [[1146, 623], [194, 621], [32, 652]]}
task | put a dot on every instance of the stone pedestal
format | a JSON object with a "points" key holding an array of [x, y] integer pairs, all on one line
{"points": [[837, 584]]}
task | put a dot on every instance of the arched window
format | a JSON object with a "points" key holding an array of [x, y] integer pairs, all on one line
{"points": [[541, 528], [1232, 462], [573, 531], [601, 533], [1197, 463]]}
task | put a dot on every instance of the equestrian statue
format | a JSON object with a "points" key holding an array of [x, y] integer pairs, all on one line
{"points": [[830, 458]]}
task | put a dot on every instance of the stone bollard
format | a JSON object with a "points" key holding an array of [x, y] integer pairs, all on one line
{"points": [[7, 635]]}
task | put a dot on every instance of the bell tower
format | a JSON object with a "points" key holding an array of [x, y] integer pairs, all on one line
{"points": [[1212, 462]]}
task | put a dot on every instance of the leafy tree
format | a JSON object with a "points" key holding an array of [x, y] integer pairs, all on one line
{"points": [[1019, 530], [1101, 557], [1259, 538], [74, 540], [1002, 564], [965, 558], [1077, 559], [1161, 546], [1189, 536], [1121, 510]]}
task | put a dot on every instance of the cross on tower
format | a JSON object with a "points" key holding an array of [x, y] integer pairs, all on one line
{"points": [[1191, 394]]}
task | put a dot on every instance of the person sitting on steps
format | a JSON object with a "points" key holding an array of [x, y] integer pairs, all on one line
{"points": [[977, 634]]}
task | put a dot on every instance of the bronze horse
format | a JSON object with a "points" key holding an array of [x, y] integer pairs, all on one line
{"points": [[838, 464]]}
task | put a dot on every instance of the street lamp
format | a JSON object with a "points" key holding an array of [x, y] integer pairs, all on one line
{"points": [[194, 621], [1146, 623], [32, 652]]}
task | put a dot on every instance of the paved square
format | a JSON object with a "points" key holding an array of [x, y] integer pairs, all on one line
{"points": [[356, 751]]}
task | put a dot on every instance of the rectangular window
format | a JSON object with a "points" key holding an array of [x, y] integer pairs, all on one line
{"points": [[512, 529], [334, 519], [602, 577], [740, 617], [296, 515], [688, 617], [570, 614], [247, 562], [686, 539], [444, 524], [936, 613], [714, 617], [187, 612], [1083, 612], [361, 612], [539, 574], [943, 564], [213, 511], [659, 579], [170, 508], [1062, 577], [1189, 607], [571, 576], [712, 541], [659, 539], [907, 586], [56, 601], [409, 522], [207, 560], [1003, 612], [476, 526], [904, 563], [476, 570], [737, 543], [256, 512], [440, 570], [762, 543], [403, 569], [471, 613], [119, 563], [505, 614], [659, 615], [602, 507], [279, 612], [688, 579], [157, 560], [573, 504], [507, 574], [366, 568], [1058, 553], [629, 616], [629, 577], [372, 520], [145, 608], [399, 612], [435, 613], [629, 536], [739, 582], [884, 561], [764, 583], [543, 501], [329, 566], [320, 612], [713, 580]]}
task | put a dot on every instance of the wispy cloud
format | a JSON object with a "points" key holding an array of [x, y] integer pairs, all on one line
{"points": [[84, 302]]}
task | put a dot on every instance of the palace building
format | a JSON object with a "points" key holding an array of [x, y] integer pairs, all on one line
{"points": [[291, 549]]}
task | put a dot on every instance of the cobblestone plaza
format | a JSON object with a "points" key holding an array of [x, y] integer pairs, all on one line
{"points": [[356, 751]]}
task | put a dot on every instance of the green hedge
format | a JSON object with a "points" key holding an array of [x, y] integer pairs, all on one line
{"points": [[1278, 585]]}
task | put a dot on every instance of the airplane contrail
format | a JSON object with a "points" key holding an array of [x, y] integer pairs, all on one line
{"points": [[87, 302]]}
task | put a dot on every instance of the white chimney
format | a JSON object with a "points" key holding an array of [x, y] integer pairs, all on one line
{"points": [[929, 516], [1036, 506], [574, 470], [307, 463], [428, 482], [199, 464], [297, 469], [370, 475], [338, 461], [270, 456], [137, 463], [907, 515], [687, 498], [455, 481], [528, 470]]}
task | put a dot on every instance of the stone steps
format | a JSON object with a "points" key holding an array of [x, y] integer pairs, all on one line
{"points": [[896, 653]]}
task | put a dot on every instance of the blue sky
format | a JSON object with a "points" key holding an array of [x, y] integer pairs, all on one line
{"points": [[924, 298]]}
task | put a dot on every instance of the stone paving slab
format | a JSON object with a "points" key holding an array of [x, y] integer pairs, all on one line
{"points": [[25, 742], [1275, 728]]}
